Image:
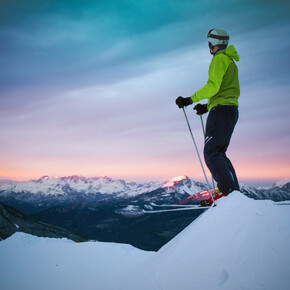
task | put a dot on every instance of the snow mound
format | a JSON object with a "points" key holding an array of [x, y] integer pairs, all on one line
{"points": [[239, 244], [28, 262]]}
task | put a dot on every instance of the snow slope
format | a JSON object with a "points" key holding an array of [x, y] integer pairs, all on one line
{"points": [[31, 263], [239, 244]]}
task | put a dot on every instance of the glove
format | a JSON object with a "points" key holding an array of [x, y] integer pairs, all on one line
{"points": [[183, 102], [200, 109]]}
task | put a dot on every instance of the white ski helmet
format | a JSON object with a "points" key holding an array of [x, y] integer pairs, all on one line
{"points": [[217, 37]]}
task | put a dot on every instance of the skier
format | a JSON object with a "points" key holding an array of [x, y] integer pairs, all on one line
{"points": [[222, 91]]}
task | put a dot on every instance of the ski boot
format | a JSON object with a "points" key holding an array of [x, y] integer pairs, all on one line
{"points": [[216, 195]]}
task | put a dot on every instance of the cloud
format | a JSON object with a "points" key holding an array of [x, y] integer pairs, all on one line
{"points": [[69, 43], [100, 79]]}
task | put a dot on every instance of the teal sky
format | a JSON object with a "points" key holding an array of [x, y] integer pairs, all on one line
{"points": [[88, 87]]}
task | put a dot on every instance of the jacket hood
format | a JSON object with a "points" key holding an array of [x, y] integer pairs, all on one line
{"points": [[232, 53]]}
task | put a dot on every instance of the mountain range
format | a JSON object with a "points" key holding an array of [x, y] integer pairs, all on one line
{"points": [[112, 210], [48, 191]]}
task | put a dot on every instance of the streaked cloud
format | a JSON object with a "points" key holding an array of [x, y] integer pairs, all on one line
{"points": [[90, 87]]}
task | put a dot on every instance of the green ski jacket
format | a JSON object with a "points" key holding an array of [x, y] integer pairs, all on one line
{"points": [[222, 87]]}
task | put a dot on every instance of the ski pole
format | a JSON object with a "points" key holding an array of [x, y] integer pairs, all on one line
{"points": [[198, 156], [204, 137]]}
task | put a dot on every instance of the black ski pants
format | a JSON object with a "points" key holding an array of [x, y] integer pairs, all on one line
{"points": [[220, 125]]}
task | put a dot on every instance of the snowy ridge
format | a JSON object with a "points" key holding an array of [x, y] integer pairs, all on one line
{"points": [[103, 185], [279, 184], [282, 183], [278, 192], [57, 186], [72, 187], [248, 248]]}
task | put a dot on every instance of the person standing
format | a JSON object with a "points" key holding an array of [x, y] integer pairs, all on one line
{"points": [[222, 91]]}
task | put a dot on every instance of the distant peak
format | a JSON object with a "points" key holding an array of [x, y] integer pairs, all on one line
{"points": [[44, 177], [281, 183], [73, 177], [171, 182]]}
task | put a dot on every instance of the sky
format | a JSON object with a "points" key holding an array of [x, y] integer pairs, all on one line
{"points": [[89, 87]]}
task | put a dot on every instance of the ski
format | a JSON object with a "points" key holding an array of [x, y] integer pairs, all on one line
{"points": [[197, 207], [175, 205]]}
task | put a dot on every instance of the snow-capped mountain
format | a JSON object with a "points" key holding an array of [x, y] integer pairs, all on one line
{"points": [[278, 192], [103, 185], [75, 188], [78, 188], [47, 185]]}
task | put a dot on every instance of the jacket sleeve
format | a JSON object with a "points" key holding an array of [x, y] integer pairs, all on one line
{"points": [[216, 72]]}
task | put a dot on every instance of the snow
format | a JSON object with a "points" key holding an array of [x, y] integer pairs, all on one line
{"points": [[68, 186], [239, 244], [171, 182], [279, 183], [29, 263], [56, 186], [7, 185], [282, 182]]}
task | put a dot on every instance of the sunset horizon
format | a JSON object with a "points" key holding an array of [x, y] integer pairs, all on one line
{"points": [[252, 181]]}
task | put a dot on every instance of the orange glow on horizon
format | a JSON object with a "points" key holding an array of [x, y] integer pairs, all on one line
{"points": [[13, 175], [149, 171], [262, 171]]}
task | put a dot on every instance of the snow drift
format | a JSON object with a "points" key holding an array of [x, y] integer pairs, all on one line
{"points": [[240, 244]]}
